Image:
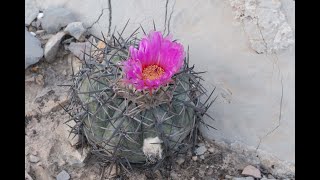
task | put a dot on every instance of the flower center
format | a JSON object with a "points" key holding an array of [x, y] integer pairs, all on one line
{"points": [[152, 72]]}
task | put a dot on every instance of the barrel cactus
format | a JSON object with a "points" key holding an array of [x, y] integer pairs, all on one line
{"points": [[136, 100]]}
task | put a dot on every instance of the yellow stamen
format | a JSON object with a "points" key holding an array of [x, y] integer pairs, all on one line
{"points": [[152, 72]]}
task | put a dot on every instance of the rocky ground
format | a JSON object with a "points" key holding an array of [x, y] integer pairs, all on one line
{"points": [[53, 45]]}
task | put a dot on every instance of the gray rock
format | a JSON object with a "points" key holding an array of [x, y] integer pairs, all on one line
{"points": [[63, 175], [78, 48], [52, 46], [34, 159], [76, 30], [33, 50], [201, 150], [31, 11], [56, 18]]}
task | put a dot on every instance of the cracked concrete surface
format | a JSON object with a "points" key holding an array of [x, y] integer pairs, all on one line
{"points": [[265, 24], [255, 91], [280, 112]]}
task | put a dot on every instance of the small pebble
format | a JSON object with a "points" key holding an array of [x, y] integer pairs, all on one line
{"points": [[201, 150], [33, 34], [194, 158], [39, 80], [34, 159], [63, 175]]}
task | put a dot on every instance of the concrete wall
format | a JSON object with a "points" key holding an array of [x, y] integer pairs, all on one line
{"points": [[246, 47]]}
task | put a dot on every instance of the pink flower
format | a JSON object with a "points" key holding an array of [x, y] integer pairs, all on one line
{"points": [[154, 63]]}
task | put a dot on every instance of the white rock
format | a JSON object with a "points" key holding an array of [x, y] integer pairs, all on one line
{"points": [[40, 16], [33, 34], [52, 46], [251, 171]]}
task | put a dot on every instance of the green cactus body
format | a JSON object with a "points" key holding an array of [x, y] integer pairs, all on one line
{"points": [[116, 119], [174, 120]]}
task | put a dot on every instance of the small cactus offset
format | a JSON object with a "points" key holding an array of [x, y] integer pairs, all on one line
{"points": [[137, 101]]}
